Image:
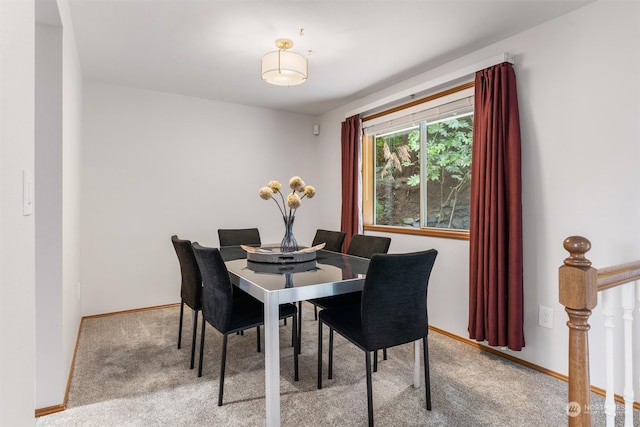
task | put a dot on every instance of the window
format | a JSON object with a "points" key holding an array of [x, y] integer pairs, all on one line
{"points": [[417, 165]]}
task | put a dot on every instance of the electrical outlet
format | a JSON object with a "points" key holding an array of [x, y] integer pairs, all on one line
{"points": [[545, 317]]}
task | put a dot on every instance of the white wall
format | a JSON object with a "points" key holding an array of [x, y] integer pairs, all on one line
{"points": [[579, 96], [48, 191], [17, 232], [57, 181], [157, 164], [71, 149]]}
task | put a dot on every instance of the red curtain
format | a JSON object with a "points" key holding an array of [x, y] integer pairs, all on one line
{"points": [[350, 178], [495, 264]]}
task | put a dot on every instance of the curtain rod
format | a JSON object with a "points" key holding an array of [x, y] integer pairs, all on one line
{"points": [[466, 71]]}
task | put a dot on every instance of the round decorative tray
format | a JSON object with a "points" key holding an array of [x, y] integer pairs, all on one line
{"points": [[273, 255]]}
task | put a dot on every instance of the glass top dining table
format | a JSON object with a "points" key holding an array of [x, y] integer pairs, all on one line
{"points": [[331, 273]]}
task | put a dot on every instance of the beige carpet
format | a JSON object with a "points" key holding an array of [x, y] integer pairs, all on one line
{"points": [[128, 372]]}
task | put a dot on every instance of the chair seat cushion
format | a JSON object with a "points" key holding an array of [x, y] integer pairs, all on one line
{"points": [[248, 312], [346, 321], [335, 301], [287, 310]]}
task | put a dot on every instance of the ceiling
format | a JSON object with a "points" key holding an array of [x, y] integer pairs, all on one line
{"points": [[212, 48]]}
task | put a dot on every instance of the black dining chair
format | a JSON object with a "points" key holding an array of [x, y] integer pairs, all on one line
{"points": [[365, 246], [190, 288], [333, 240], [393, 311], [239, 236], [228, 313], [361, 245]]}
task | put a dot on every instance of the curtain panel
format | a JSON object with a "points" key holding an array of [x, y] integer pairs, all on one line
{"points": [[350, 219], [495, 270]]}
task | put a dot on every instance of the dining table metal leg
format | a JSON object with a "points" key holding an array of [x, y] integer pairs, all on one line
{"points": [[416, 364], [272, 359]]}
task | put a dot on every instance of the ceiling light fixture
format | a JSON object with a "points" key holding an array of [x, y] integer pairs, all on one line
{"points": [[284, 68]]}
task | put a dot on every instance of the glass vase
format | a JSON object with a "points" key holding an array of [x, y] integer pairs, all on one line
{"points": [[288, 243], [288, 280]]}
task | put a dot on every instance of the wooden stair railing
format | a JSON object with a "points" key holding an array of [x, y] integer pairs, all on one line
{"points": [[579, 284]]}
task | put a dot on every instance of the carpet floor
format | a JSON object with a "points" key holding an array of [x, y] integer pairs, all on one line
{"points": [[128, 372]]}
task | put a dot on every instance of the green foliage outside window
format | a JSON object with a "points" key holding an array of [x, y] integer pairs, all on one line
{"points": [[446, 172], [397, 161]]}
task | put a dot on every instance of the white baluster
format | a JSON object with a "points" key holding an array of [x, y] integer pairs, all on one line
{"points": [[608, 304], [627, 316]]}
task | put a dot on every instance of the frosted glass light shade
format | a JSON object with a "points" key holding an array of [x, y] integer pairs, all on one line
{"points": [[284, 68]]}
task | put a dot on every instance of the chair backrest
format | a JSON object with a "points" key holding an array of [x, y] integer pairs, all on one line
{"points": [[394, 298], [367, 246], [333, 239], [191, 286], [217, 296], [239, 236]]}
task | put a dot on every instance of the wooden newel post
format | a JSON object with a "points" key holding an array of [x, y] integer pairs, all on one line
{"points": [[579, 295]]}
